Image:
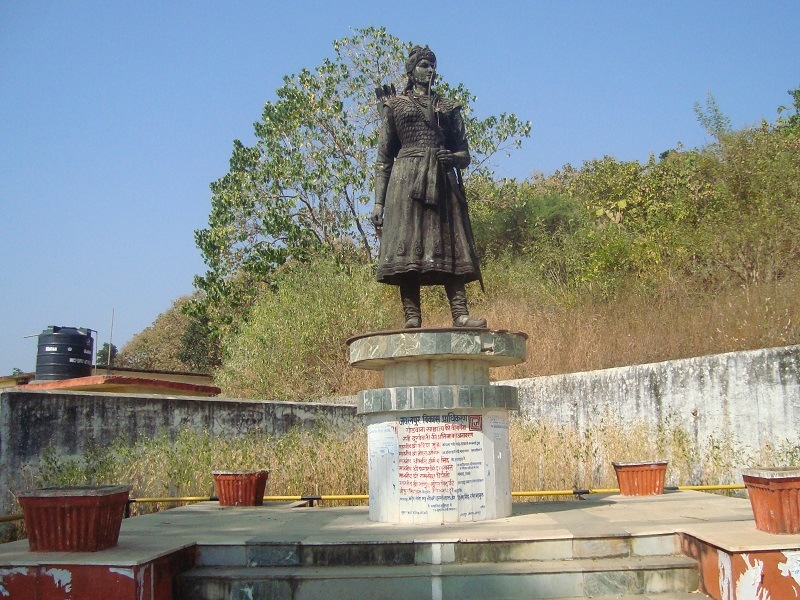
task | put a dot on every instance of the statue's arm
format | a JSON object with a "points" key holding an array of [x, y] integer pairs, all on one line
{"points": [[382, 173], [456, 152]]}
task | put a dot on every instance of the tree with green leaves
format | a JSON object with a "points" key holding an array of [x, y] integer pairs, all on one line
{"points": [[305, 186], [790, 124], [106, 355], [198, 351], [163, 345], [713, 120]]}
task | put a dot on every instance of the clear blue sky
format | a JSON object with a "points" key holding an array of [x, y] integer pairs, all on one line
{"points": [[117, 115]]}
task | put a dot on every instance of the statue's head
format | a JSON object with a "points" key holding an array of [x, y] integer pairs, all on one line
{"points": [[420, 63]]}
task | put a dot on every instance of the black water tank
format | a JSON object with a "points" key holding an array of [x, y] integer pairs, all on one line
{"points": [[64, 353]]}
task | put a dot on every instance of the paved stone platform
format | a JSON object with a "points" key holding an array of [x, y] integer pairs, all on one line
{"points": [[718, 532]]}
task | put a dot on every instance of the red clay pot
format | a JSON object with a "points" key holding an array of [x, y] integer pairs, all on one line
{"points": [[241, 488], [775, 498], [641, 478], [73, 519]]}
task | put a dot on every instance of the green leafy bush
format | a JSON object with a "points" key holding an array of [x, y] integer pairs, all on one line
{"points": [[515, 217], [292, 346]]}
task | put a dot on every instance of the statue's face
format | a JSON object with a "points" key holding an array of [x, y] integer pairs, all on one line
{"points": [[423, 71]]}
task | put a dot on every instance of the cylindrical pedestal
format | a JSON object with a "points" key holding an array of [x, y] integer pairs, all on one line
{"points": [[438, 433]]}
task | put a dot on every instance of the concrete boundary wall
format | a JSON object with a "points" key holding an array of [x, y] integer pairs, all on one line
{"points": [[71, 421], [753, 396]]}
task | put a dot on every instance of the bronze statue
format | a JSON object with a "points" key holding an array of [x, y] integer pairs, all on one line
{"points": [[420, 206]]}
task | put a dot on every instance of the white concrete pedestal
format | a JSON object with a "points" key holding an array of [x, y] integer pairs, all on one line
{"points": [[438, 433]]}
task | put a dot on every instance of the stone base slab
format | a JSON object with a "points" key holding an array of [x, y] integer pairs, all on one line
{"points": [[492, 347]]}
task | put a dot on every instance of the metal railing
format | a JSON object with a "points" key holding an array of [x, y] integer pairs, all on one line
{"points": [[311, 500]]}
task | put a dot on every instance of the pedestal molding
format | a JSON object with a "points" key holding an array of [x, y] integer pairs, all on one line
{"points": [[438, 398], [492, 347]]}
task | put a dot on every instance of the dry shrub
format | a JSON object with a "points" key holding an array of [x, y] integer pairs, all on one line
{"points": [[635, 328], [293, 344], [545, 456], [549, 456], [301, 462], [632, 328]]}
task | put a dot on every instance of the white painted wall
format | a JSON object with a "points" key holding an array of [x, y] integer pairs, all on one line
{"points": [[753, 395]]}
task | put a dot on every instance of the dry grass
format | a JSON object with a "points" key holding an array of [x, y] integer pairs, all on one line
{"points": [[568, 332], [544, 457], [634, 328], [301, 462], [355, 380]]}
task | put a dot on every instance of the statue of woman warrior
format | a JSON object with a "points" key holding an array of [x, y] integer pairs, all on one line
{"points": [[420, 206]]}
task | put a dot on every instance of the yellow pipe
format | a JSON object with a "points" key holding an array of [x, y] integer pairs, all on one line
{"points": [[182, 499], [282, 498], [11, 518], [735, 486], [346, 497], [543, 493], [340, 497], [266, 498]]}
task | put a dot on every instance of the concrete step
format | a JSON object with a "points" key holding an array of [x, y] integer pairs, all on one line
{"points": [[269, 554], [667, 596], [642, 576]]}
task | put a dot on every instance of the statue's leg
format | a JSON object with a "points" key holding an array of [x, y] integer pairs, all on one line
{"points": [[457, 295], [409, 294]]}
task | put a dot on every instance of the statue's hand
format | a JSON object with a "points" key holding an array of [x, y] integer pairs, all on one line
{"points": [[446, 158], [377, 216]]}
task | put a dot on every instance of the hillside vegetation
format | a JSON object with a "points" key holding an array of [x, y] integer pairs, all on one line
{"points": [[609, 264]]}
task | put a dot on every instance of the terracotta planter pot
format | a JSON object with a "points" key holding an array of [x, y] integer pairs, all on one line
{"points": [[641, 478], [73, 519], [241, 488], [775, 498]]}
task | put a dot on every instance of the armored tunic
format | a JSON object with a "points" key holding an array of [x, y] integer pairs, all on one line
{"points": [[426, 228]]}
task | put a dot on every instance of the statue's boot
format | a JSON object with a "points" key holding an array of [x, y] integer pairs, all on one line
{"points": [[457, 295], [409, 294]]}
